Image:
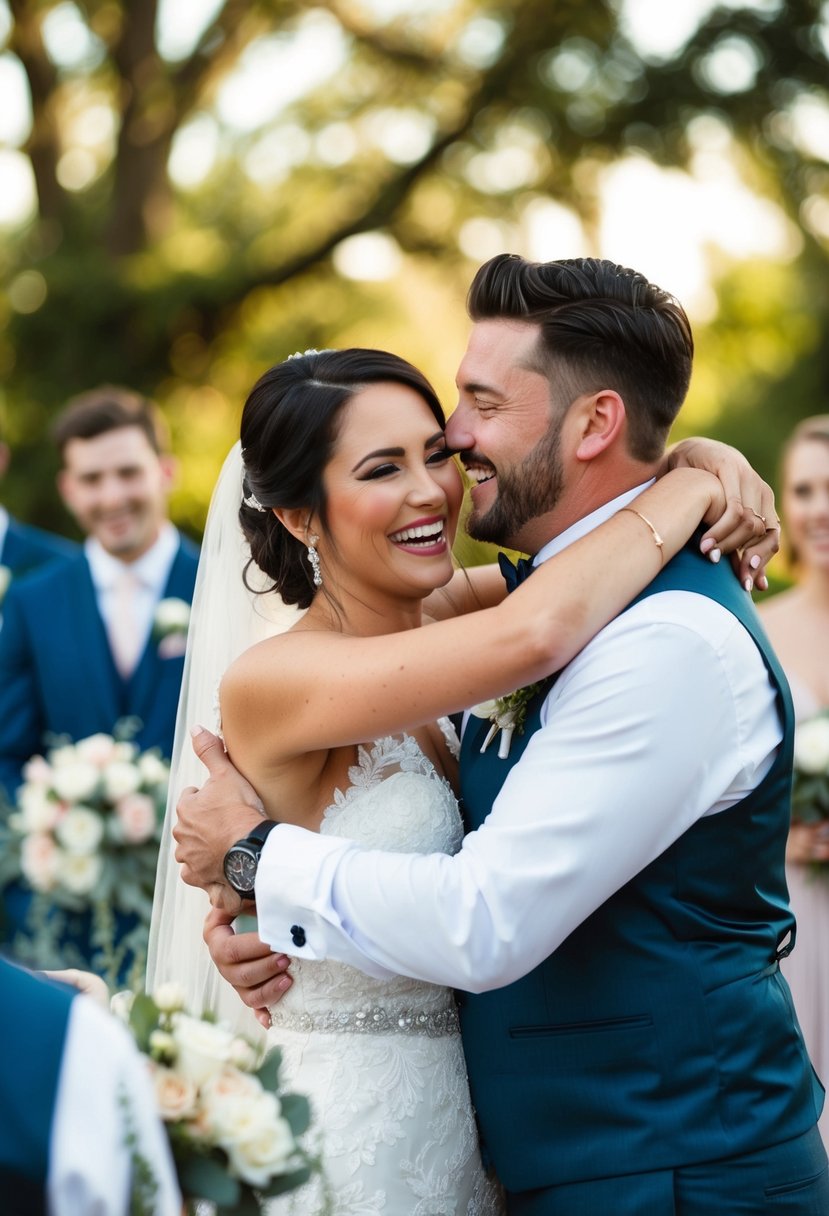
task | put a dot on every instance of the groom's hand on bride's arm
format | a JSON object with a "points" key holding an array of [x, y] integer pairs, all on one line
{"points": [[213, 818], [259, 976]]}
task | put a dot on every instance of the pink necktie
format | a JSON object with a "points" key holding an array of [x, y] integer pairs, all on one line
{"points": [[124, 636]]}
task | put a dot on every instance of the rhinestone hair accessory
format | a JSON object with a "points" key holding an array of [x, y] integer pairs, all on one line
{"points": [[253, 502], [300, 354]]}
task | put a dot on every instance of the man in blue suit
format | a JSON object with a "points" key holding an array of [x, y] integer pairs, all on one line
{"points": [[80, 648], [618, 911], [22, 547]]}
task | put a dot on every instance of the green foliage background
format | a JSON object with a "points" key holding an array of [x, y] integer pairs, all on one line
{"points": [[189, 292]]}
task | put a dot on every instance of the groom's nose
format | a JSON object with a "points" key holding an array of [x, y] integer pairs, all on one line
{"points": [[459, 434]]}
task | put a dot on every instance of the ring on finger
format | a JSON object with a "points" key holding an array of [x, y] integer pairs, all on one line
{"points": [[757, 515]]}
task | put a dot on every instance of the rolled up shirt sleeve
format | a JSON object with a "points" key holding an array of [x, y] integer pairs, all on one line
{"points": [[668, 715]]}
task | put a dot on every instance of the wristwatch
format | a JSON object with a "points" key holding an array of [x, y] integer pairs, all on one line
{"points": [[242, 859]]}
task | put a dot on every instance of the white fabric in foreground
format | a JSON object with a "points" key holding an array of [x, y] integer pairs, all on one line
{"points": [[226, 619], [104, 1094]]}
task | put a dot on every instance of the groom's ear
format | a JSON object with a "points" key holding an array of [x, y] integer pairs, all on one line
{"points": [[295, 519], [601, 420]]}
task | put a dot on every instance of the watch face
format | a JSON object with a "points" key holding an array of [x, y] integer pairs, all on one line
{"points": [[240, 869]]}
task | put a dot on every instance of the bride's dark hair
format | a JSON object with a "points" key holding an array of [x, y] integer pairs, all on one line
{"points": [[290, 424]]}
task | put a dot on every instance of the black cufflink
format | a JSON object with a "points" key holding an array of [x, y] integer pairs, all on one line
{"points": [[298, 935]]}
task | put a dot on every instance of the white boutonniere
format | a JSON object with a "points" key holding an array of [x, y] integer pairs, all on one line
{"points": [[170, 624], [507, 715], [5, 579]]}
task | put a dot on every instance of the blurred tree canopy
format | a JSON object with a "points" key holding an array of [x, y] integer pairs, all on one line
{"points": [[204, 206]]}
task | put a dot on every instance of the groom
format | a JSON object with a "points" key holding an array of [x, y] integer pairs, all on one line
{"points": [[619, 906]]}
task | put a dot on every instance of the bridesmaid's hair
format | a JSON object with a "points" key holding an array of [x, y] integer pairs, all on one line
{"points": [[289, 429], [814, 429], [600, 326]]}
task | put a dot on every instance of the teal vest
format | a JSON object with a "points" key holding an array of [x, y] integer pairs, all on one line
{"points": [[660, 1033], [33, 1021]]}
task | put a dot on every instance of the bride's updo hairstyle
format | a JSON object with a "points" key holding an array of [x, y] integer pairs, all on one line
{"points": [[289, 429]]}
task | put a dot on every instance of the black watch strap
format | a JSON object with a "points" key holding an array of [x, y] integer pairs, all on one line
{"points": [[260, 832]]}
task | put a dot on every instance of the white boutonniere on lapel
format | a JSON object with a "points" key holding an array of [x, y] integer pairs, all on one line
{"points": [[5, 579], [170, 624], [507, 715]]}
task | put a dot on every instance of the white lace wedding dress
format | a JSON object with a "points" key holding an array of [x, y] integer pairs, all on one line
{"points": [[382, 1061]]}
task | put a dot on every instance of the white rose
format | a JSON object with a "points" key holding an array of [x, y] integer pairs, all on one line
{"points": [[65, 754], [169, 997], [243, 1055], [80, 830], [5, 579], [811, 745], [124, 750], [265, 1153], [136, 815], [203, 1047], [79, 872], [121, 1005], [37, 772], [172, 616], [120, 778], [96, 749], [153, 769], [38, 812], [39, 861], [176, 1096], [162, 1045], [75, 782], [486, 709], [235, 1114]]}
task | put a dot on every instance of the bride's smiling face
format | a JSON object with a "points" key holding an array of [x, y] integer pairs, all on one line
{"points": [[393, 494]]}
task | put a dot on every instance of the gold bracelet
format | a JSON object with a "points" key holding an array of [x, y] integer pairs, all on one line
{"points": [[657, 539]]}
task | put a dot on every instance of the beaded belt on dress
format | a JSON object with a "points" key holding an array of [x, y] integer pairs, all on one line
{"points": [[376, 1020]]}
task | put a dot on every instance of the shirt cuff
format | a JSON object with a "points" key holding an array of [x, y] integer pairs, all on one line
{"points": [[294, 906]]}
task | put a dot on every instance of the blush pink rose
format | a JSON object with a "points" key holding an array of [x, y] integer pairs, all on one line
{"points": [[136, 814]]}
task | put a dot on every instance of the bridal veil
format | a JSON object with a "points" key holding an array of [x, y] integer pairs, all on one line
{"points": [[226, 619]]}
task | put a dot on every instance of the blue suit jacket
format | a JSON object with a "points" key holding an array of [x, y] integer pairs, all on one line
{"points": [[25, 548], [33, 1017], [57, 674]]}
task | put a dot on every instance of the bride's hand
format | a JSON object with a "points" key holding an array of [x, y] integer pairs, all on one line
{"points": [[259, 976], [747, 525], [213, 818]]}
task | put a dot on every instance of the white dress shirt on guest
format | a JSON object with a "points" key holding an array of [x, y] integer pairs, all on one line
{"points": [[666, 716], [104, 1100], [4, 526], [151, 571]]}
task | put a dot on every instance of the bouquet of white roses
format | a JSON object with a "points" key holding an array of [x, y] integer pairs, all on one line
{"points": [[810, 790], [233, 1135], [84, 838]]}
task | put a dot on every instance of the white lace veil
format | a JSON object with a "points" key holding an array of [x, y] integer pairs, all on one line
{"points": [[226, 619]]}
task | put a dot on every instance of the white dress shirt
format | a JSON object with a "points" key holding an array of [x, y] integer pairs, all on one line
{"points": [[667, 715], [104, 1096], [151, 572], [4, 526]]}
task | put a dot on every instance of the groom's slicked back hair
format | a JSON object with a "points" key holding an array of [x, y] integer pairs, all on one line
{"points": [[600, 326], [289, 429]]}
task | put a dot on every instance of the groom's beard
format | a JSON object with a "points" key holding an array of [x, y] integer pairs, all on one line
{"points": [[530, 489]]}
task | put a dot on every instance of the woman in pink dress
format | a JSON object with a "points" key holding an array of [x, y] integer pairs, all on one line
{"points": [[797, 621]]}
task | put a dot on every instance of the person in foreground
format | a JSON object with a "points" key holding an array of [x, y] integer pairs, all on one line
{"points": [[797, 621], [77, 1110], [606, 867]]}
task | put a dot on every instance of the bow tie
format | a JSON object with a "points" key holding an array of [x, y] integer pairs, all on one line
{"points": [[515, 573]]}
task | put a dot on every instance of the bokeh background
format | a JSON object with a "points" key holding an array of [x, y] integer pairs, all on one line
{"points": [[191, 190]]}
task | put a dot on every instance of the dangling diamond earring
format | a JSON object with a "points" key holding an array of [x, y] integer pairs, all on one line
{"points": [[314, 560]]}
